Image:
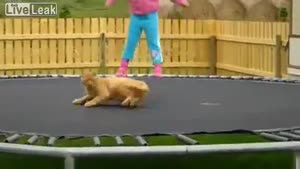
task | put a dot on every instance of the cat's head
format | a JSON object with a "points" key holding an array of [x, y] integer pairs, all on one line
{"points": [[88, 79]]}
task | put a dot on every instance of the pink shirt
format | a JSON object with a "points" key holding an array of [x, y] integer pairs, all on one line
{"points": [[141, 7]]}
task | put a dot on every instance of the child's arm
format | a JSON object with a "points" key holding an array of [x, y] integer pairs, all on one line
{"points": [[109, 3], [181, 2]]}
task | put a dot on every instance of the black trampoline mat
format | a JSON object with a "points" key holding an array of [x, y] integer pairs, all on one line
{"points": [[174, 105]]}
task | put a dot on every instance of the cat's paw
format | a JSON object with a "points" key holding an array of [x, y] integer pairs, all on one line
{"points": [[77, 101], [90, 104]]}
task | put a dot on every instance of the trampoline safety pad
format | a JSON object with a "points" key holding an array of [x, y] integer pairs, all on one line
{"points": [[174, 105]]}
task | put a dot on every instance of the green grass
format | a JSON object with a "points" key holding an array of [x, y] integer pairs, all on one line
{"points": [[228, 161], [85, 8], [228, 138], [210, 161]]}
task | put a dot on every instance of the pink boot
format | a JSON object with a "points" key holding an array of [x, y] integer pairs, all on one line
{"points": [[122, 71], [157, 71]]}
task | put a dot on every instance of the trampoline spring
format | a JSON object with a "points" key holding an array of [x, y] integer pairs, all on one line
{"points": [[236, 77], [119, 140], [51, 141], [141, 140], [186, 139], [96, 141], [32, 139], [214, 76], [225, 77], [202, 76], [257, 78], [267, 79], [290, 135], [247, 77], [296, 131], [275, 79], [12, 138], [274, 137]]}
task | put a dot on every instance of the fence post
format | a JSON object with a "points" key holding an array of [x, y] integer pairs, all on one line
{"points": [[102, 58], [212, 55], [277, 60]]}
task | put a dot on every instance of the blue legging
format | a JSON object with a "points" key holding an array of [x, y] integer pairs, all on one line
{"points": [[149, 24]]}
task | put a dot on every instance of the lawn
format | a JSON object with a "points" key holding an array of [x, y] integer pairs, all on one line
{"points": [[84, 8], [212, 161], [95, 8]]}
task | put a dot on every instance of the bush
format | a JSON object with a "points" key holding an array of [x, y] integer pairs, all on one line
{"points": [[65, 12], [283, 13]]}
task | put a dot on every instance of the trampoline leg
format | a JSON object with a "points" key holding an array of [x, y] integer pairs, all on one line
{"points": [[297, 160], [69, 162]]}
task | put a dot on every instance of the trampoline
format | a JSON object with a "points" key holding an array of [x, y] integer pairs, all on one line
{"points": [[176, 105]]}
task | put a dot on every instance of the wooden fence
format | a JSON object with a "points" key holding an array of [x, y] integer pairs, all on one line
{"points": [[75, 45], [254, 48]]}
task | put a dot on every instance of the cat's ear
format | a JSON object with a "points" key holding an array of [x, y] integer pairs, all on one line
{"points": [[87, 75], [90, 74]]}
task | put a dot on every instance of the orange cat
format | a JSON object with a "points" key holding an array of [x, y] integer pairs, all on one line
{"points": [[100, 90]]}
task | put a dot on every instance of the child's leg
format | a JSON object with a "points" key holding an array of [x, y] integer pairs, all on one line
{"points": [[134, 34], [151, 28]]}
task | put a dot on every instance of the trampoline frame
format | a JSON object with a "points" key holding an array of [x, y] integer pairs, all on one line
{"points": [[70, 154], [287, 137]]}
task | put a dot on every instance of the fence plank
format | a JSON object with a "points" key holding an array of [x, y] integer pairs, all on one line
{"points": [[268, 35], [201, 46], [237, 31], [9, 45], [79, 52], [61, 52], [18, 48], [243, 70], [261, 51], [103, 45], [119, 43], [95, 48], [87, 42], [2, 50], [261, 47], [53, 50], [35, 28], [257, 47], [190, 45], [168, 53], [44, 44], [111, 55], [26, 45], [244, 55], [271, 59], [175, 44], [70, 44], [183, 45], [231, 58]]}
